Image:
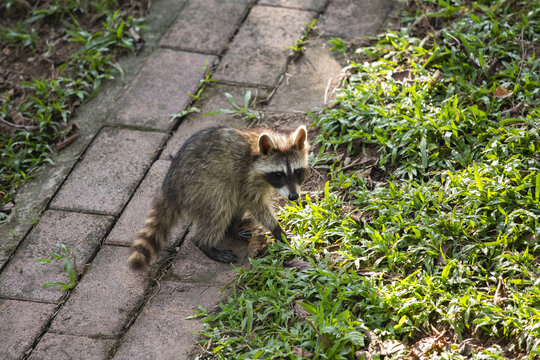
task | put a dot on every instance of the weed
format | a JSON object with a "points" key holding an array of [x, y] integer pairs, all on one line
{"points": [[203, 82], [338, 45], [19, 35], [183, 113], [68, 263], [243, 111], [300, 43]]}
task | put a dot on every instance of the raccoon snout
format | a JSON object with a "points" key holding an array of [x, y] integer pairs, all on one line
{"points": [[293, 197]]}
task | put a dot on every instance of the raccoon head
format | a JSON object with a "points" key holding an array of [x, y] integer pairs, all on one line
{"points": [[284, 160]]}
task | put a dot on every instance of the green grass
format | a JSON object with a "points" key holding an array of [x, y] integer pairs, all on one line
{"points": [[68, 265], [50, 101], [458, 208]]}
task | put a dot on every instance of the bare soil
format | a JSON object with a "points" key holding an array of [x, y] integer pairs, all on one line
{"points": [[50, 47]]}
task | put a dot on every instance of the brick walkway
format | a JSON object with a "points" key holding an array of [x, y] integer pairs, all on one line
{"points": [[96, 196]]}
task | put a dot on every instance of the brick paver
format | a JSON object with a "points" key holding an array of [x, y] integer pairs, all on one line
{"points": [[134, 215], [163, 330], [159, 19], [206, 25], [57, 346], [161, 89], [308, 81], [355, 19], [24, 277], [191, 265], [104, 301], [103, 181], [22, 322], [258, 54]]}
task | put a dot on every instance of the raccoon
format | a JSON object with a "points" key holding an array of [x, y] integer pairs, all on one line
{"points": [[217, 176]]}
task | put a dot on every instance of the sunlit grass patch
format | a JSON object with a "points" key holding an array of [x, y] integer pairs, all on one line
{"points": [[436, 239]]}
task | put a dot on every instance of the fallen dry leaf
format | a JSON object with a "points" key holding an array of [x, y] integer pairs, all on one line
{"points": [[514, 110], [362, 355], [467, 346], [297, 263], [422, 348], [301, 353], [380, 348], [436, 78], [300, 311], [391, 347], [403, 76], [7, 207], [501, 92]]}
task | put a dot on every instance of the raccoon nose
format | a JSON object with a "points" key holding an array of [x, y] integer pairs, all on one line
{"points": [[293, 197]]}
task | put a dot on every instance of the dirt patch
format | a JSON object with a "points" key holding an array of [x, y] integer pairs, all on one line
{"points": [[35, 42]]}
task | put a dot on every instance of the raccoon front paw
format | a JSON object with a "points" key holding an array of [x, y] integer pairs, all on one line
{"points": [[226, 256]]}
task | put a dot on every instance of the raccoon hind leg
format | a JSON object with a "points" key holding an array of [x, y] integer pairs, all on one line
{"points": [[207, 235]]}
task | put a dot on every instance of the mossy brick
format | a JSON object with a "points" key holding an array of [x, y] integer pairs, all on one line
{"points": [[309, 80], [24, 277], [212, 100], [159, 19], [58, 346], [355, 19], [21, 322], [109, 172], [258, 54], [163, 330], [161, 89], [205, 26], [316, 5], [134, 215], [105, 299]]}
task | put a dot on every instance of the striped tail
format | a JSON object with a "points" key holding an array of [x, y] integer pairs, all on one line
{"points": [[156, 228]]}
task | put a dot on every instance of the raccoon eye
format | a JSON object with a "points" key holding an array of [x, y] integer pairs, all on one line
{"points": [[276, 178], [300, 175]]}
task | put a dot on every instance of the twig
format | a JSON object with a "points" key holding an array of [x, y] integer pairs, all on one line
{"points": [[466, 51], [514, 109], [70, 139], [206, 351], [19, 127], [359, 162], [326, 90], [323, 338], [156, 291]]}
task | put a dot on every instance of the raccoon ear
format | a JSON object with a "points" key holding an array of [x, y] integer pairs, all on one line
{"points": [[300, 137], [266, 144]]}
